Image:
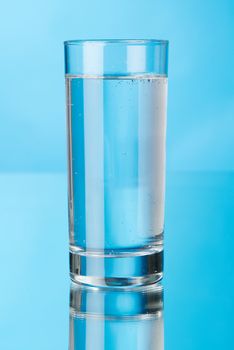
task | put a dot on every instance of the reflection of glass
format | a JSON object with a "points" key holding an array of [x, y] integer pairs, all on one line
{"points": [[116, 117], [113, 319]]}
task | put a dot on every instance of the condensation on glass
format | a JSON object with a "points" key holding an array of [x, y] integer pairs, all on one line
{"points": [[116, 122]]}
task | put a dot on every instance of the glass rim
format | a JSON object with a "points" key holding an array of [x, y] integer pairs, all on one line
{"points": [[143, 42]]}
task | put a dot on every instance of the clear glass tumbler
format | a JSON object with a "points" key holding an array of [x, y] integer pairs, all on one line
{"points": [[116, 122]]}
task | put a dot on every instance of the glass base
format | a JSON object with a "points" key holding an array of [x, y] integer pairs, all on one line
{"points": [[117, 269]]}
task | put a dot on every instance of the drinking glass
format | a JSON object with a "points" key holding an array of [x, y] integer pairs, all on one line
{"points": [[116, 95]]}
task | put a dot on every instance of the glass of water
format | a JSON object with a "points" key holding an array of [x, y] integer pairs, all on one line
{"points": [[116, 122]]}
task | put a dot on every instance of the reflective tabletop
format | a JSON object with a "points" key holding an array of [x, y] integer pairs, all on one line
{"points": [[191, 309]]}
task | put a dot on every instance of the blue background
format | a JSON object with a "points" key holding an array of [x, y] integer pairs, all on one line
{"points": [[201, 71], [199, 262]]}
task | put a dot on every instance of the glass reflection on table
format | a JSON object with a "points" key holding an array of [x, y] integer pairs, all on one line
{"points": [[115, 319]]}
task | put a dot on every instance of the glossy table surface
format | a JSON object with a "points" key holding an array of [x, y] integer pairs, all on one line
{"points": [[199, 266]]}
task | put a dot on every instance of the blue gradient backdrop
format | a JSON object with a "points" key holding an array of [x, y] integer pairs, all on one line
{"points": [[201, 71], [199, 260]]}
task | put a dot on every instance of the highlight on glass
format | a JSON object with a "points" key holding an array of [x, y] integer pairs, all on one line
{"points": [[116, 95]]}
